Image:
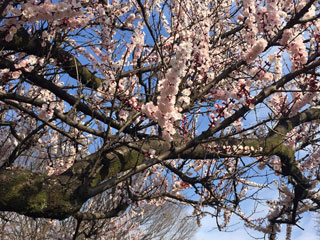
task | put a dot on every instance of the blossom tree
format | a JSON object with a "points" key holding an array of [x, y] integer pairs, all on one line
{"points": [[207, 103]]}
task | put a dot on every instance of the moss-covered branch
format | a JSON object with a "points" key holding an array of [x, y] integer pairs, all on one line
{"points": [[275, 144], [37, 195], [128, 157], [101, 215]]}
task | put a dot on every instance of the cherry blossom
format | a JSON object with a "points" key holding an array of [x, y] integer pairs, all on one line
{"points": [[143, 102]]}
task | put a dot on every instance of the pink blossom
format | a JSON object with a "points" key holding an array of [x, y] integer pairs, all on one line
{"points": [[9, 37], [286, 36], [16, 74], [276, 163], [123, 115], [220, 94], [150, 110], [45, 112], [254, 52]]}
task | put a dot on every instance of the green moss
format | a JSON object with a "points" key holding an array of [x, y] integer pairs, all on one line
{"points": [[285, 151], [60, 199], [39, 201], [256, 144], [133, 159], [11, 191], [37, 195], [96, 180], [125, 162], [272, 144], [275, 146], [25, 193]]}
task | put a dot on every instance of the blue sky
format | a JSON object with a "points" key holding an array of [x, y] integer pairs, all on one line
{"points": [[207, 231]]}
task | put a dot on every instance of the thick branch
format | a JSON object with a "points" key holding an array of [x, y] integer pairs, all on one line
{"points": [[101, 215], [38, 195]]}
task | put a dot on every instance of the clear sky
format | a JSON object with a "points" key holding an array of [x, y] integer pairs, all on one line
{"points": [[208, 231]]}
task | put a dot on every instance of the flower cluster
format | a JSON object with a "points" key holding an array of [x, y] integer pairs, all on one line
{"points": [[311, 162], [165, 112], [273, 13], [185, 96], [276, 164], [249, 14], [277, 67], [254, 52], [63, 14], [295, 47], [298, 51], [300, 100], [279, 103]]}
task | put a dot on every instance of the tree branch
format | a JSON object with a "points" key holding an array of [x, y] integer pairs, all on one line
{"points": [[115, 212]]}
